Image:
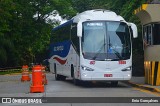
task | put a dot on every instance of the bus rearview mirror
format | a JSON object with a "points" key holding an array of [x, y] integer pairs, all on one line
{"points": [[134, 30], [79, 29]]}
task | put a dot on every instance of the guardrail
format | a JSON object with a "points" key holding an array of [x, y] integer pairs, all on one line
{"points": [[18, 68]]}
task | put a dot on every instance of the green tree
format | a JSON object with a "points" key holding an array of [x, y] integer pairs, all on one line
{"points": [[24, 31], [7, 49]]}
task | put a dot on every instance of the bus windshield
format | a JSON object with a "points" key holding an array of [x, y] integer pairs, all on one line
{"points": [[106, 40]]}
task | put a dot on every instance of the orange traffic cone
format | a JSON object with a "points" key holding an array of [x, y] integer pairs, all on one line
{"points": [[37, 85], [25, 73], [44, 79]]}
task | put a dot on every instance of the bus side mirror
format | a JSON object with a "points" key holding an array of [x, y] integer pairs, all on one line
{"points": [[134, 30], [79, 29]]}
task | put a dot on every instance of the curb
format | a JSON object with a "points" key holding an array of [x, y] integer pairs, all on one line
{"points": [[143, 87]]}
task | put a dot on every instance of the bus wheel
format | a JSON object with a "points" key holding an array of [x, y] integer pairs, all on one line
{"points": [[57, 77], [114, 83], [63, 78], [75, 81]]}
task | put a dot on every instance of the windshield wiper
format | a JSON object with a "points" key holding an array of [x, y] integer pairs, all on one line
{"points": [[95, 56], [116, 53]]}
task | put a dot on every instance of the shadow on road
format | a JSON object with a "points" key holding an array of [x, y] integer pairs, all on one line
{"points": [[86, 84]]}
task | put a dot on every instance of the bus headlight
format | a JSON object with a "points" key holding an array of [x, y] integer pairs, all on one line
{"points": [[127, 69], [87, 68]]}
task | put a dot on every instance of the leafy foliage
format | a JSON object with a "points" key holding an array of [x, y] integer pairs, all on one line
{"points": [[25, 30]]}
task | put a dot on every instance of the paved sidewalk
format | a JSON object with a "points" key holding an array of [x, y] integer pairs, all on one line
{"points": [[140, 82]]}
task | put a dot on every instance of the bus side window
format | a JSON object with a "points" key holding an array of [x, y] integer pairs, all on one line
{"points": [[130, 29], [74, 37], [54, 36], [61, 34]]}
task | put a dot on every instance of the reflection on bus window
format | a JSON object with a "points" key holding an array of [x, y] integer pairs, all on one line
{"points": [[106, 40]]}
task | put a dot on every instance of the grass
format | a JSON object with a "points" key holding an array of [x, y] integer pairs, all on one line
{"points": [[10, 71]]}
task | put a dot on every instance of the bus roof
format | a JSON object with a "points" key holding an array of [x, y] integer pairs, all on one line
{"points": [[64, 24], [97, 14], [89, 15]]}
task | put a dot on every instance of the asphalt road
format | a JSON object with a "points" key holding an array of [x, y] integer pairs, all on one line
{"points": [[11, 86], [68, 89]]}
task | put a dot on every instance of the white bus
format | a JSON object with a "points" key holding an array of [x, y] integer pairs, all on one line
{"points": [[95, 45]]}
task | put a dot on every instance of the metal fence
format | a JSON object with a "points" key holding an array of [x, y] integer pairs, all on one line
{"points": [[9, 69]]}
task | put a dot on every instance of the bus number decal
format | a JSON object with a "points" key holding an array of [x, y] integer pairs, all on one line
{"points": [[122, 62], [92, 62]]}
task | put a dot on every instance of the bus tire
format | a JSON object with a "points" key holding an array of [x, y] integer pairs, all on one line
{"points": [[114, 83], [63, 78], [57, 76], [75, 81], [72, 71]]}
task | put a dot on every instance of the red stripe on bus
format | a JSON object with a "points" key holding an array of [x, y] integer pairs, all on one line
{"points": [[60, 60]]}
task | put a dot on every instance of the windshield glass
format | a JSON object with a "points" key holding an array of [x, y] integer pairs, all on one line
{"points": [[106, 41]]}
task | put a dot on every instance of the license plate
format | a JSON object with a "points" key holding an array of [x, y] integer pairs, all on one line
{"points": [[108, 75]]}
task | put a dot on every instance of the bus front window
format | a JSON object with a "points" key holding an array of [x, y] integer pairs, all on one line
{"points": [[106, 41], [93, 38]]}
